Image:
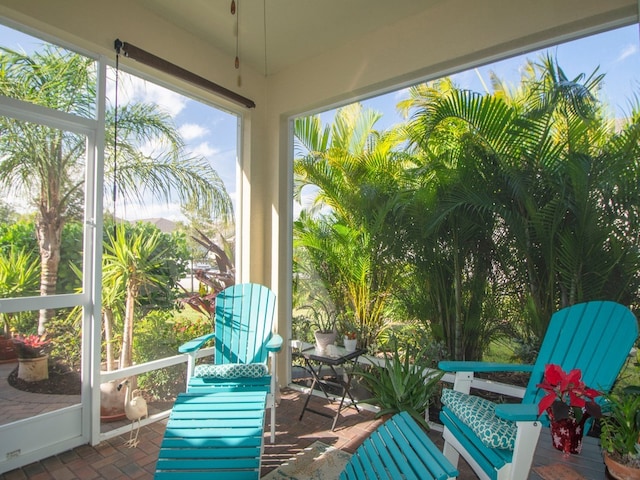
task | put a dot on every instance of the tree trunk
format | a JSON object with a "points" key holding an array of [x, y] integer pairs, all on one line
{"points": [[49, 234], [107, 316], [459, 322], [127, 334]]}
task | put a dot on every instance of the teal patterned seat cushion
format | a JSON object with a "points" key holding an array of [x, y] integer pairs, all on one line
{"points": [[230, 371], [479, 415]]}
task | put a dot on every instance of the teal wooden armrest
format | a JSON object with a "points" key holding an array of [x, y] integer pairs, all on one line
{"points": [[517, 412], [195, 344], [461, 366], [275, 344]]}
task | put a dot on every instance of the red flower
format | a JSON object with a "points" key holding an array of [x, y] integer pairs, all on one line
{"points": [[30, 346], [567, 391]]}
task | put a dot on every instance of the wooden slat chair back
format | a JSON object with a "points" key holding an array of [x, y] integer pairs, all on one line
{"points": [[245, 346], [595, 337], [244, 317]]}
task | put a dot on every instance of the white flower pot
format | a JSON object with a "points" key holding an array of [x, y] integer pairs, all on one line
{"points": [[323, 340], [350, 344], [33, 369]]}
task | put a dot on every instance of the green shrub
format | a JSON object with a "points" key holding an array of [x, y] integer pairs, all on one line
{"points": [[66, 339], [158, 335], [403, 384]]}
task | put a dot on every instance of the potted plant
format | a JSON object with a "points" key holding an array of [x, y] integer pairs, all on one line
{"points": [[620, 433], [350, 340], [349, 331], [569, 403], [33, 362], [323, 319], [403, 384], [7, 349]]}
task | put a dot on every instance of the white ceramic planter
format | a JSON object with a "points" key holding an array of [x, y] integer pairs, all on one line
{"points": [[323, 340], [33, 369], [350, 344]]}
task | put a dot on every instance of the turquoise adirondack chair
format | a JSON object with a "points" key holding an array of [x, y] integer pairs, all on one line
{"points": [[244, 341], [498, 440], [399, 448]]}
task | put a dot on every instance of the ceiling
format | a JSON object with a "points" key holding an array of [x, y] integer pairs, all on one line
{"points": [[295, 29]]}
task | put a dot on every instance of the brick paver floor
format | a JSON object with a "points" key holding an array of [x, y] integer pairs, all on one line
{"points": [[113, 460]]}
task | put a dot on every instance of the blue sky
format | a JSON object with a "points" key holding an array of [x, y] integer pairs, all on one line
{"points": [[616, 53], [213, 133]]}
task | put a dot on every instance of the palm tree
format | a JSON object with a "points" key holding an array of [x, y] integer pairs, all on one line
{"points": [[554, 181], [45, 165], [450, 248], [346, 234], [132, 264]]}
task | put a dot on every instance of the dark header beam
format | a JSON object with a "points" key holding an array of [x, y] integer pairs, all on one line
{"points": [[158, 63]]}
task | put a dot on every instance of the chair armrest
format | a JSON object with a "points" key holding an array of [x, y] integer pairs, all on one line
{"points": [[462, 366], [195, 344], [275, 343], [517, 412]]}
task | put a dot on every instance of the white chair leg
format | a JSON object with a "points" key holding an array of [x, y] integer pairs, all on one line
{"points": [[462, 382], [524, 448], [274, 384], [449, 451], [273, 422], [191, 365]]}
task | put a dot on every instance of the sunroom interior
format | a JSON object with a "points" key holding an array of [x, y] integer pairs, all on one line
{"points": [[295, 58]]}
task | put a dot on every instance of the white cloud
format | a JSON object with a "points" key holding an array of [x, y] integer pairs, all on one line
{"points": [[190, 131], [401, 94], [205, 150], [135, 89], [153, 148], [629, 50]]}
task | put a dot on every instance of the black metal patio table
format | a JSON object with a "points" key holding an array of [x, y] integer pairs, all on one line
{"points": [[332, 357]]}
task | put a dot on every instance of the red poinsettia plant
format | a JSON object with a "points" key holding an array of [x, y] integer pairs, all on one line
{"points": [[30, 346], [567, 395]]}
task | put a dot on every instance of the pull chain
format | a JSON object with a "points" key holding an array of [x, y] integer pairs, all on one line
{"points": [[115, 140]]}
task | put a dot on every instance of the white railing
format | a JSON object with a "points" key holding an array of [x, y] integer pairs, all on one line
{"points": [[145, 368], [478, 383]]}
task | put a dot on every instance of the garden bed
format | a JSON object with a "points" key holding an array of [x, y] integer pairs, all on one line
{"points": [[62, 381]]}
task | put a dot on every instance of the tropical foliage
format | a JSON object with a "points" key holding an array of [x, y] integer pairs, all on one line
{"points": [[480, 216], [620, 432], [345, 238], [141, 267], [405, 383], [45, 166]]}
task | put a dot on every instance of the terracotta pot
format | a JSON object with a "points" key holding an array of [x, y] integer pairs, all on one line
{"points": [[7, 350], [111, 402], [33, 369], [620, 471]]}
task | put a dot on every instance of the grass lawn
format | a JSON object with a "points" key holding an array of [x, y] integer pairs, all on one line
{"points": [[503, 351]]}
